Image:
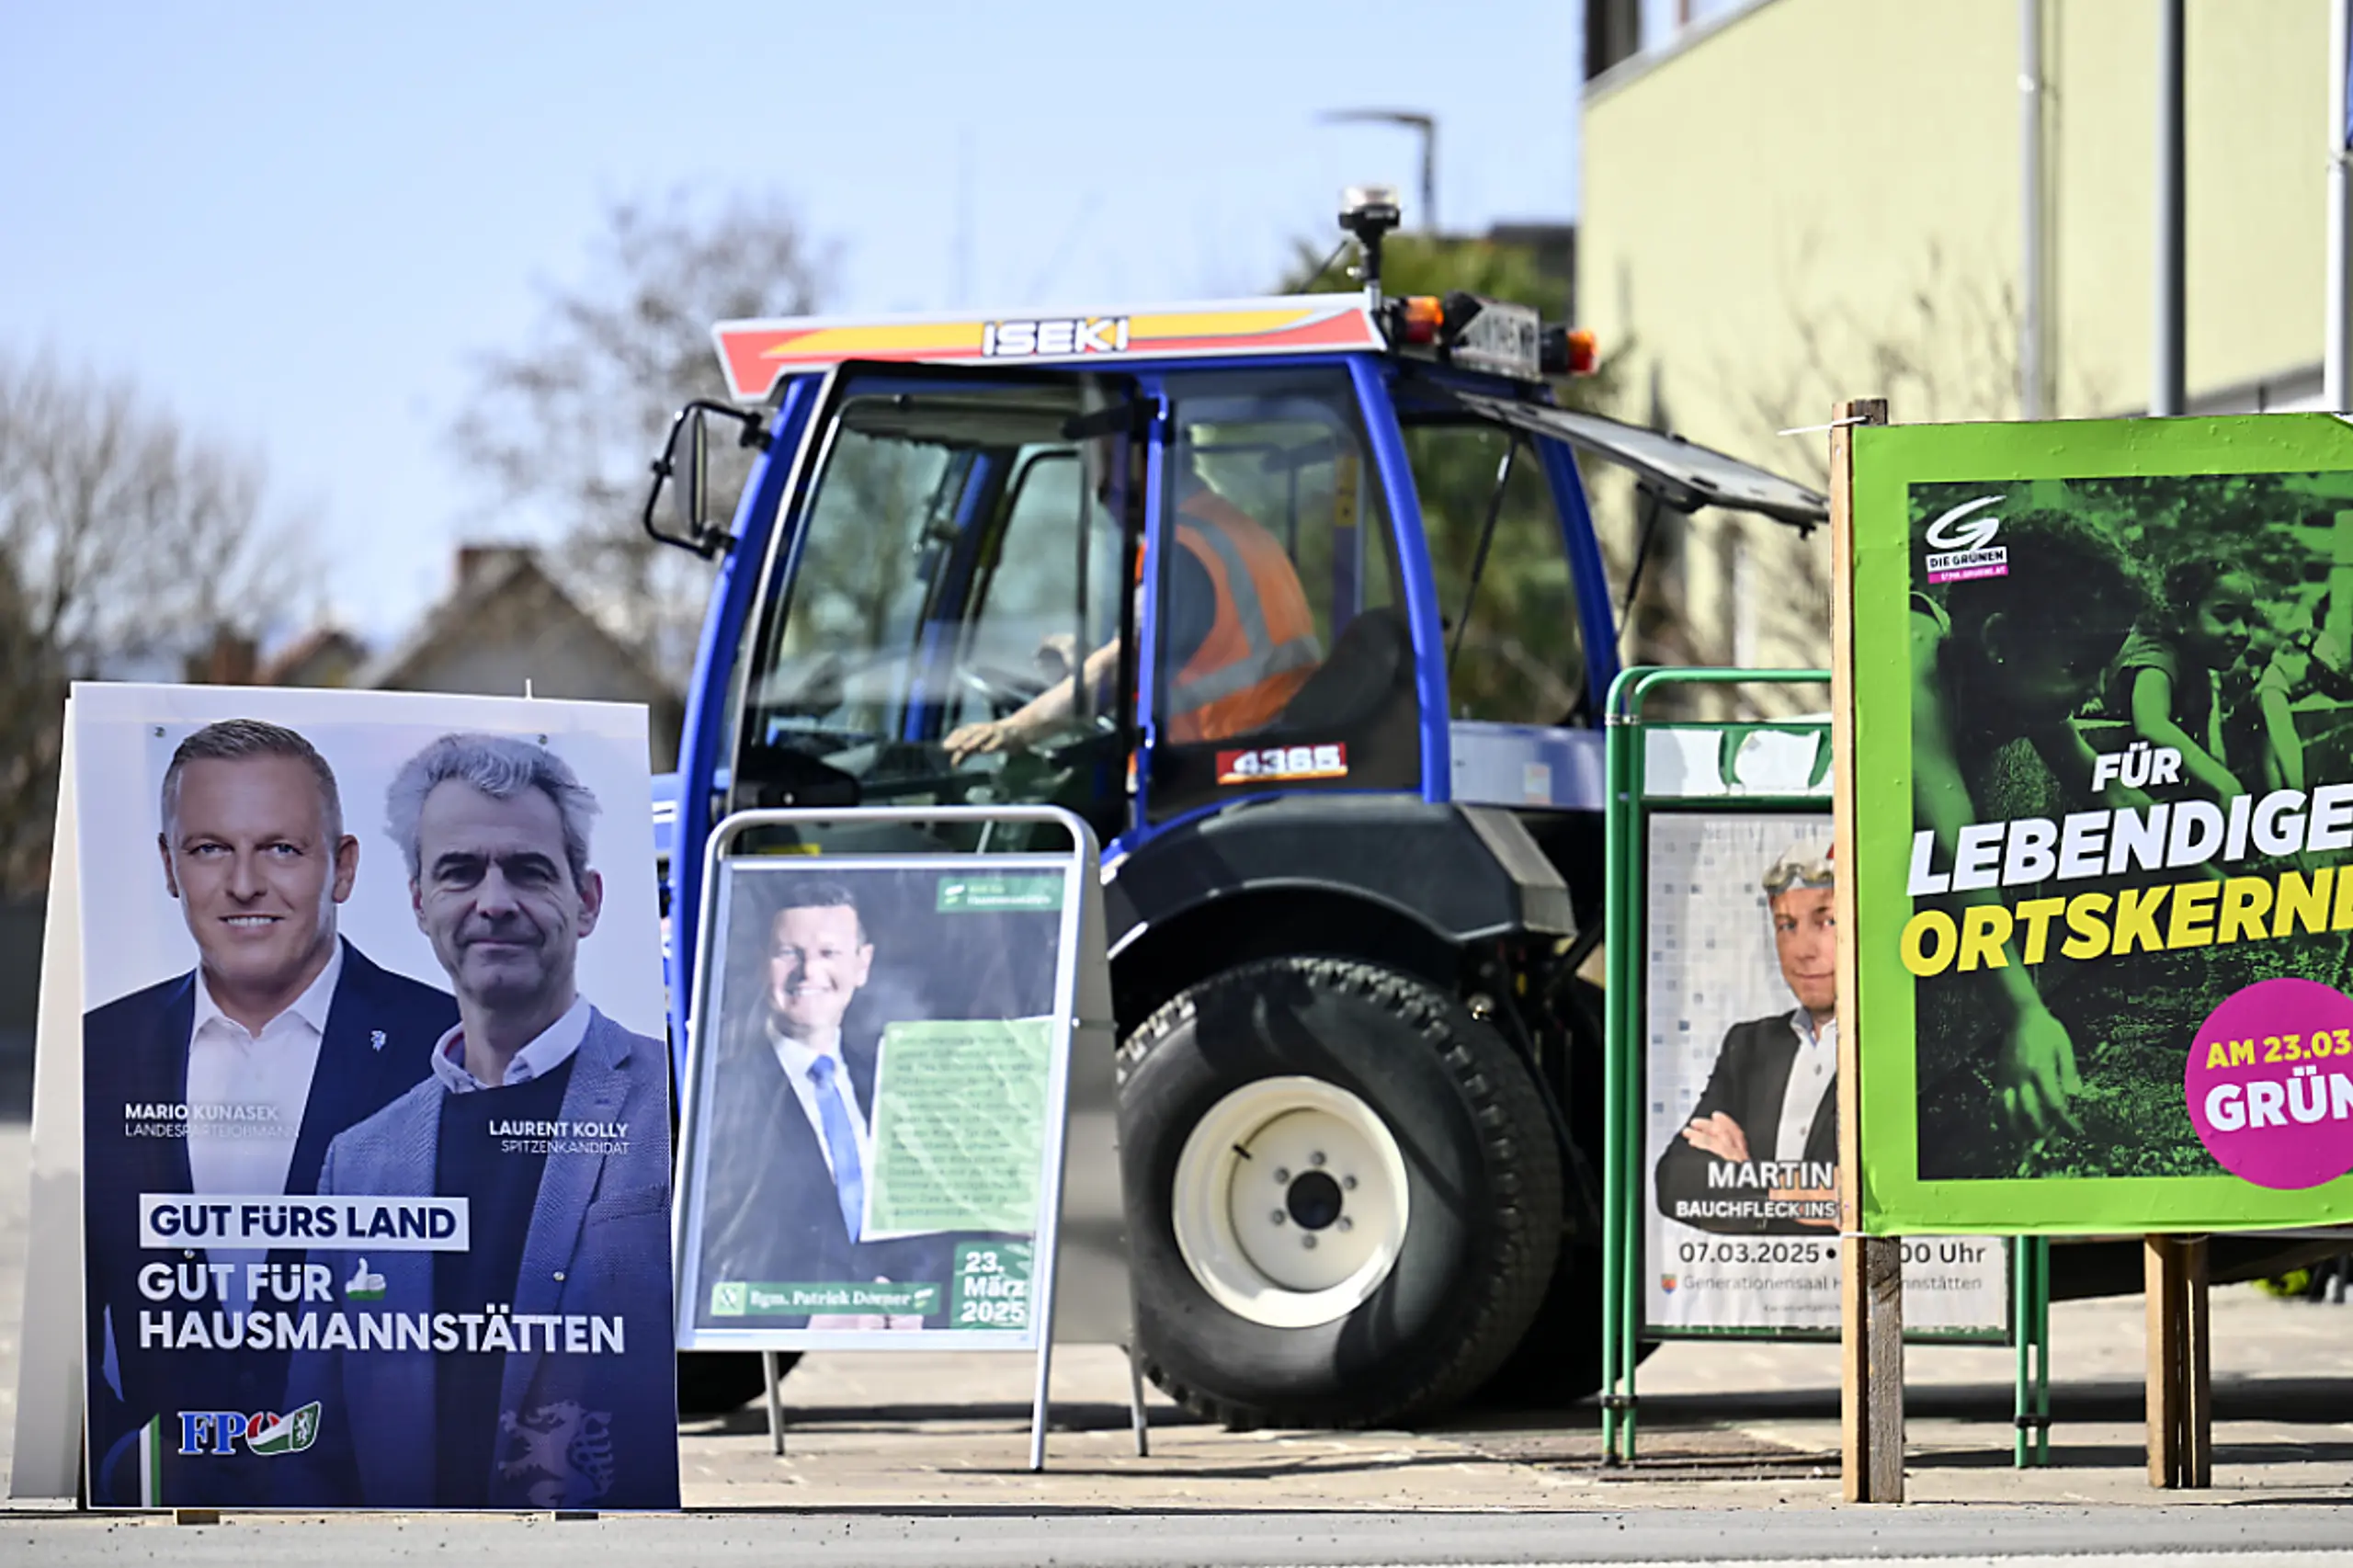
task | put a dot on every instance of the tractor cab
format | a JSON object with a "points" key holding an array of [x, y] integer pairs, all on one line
{"points": [[1298, 602], [1024, 559]]}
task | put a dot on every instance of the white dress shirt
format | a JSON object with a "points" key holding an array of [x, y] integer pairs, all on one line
{"points": [[796, 1059], [228, 1066], [1814, 1071], [547, 1051]]}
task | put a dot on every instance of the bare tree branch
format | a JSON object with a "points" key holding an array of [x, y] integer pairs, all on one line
{"points": [[127, 546], [568, 423]]}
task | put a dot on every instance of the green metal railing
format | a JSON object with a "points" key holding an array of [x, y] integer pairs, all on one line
{"points": [[1624, 1074]]}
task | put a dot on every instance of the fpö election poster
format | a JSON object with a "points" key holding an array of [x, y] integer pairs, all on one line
{"points": [[874, 1102], [2103, 800], [1740, 1065], [376, 1102]]}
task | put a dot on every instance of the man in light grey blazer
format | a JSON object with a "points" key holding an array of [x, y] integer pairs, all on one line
{"points": [[548, 1381]]}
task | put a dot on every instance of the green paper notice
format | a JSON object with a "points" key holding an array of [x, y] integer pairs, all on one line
{"points": [[960, 1127]]}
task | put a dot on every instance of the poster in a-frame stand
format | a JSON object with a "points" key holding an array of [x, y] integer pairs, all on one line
{"points": [[877, 1131]]}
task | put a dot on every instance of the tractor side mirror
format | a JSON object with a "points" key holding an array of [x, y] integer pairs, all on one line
{"points": [[685, 465], [689, 493]]}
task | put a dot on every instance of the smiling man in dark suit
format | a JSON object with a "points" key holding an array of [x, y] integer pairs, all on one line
{"points": [[1771, 1101], [231, 1079], [791, 1133]]}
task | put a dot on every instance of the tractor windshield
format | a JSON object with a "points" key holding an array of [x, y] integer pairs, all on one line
{"points": [[960, 549]]}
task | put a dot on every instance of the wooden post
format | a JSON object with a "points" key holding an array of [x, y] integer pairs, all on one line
{"points": [[2198, 1326], [1871, 1323], [2161, 1304], [2180, 1387]]}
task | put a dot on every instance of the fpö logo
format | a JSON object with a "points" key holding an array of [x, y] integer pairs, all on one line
{"points": [[1960, 544], [219, 1431]]}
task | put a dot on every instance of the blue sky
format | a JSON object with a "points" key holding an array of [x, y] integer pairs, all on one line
{"points": [[294, 224]]}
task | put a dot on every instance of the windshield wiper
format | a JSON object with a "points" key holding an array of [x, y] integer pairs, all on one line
{"points": [[1486, 539]]}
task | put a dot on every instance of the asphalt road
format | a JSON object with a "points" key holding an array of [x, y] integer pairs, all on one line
{"points": [[2314, 1533]]}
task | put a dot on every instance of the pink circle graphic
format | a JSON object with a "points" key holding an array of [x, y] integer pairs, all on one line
{"points": [[2269, 1082]]}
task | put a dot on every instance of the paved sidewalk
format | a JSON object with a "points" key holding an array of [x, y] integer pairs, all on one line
{"points": [[1724, 1423]]}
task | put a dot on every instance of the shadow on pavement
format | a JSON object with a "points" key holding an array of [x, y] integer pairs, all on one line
{"points": [[1716, 1436], [2129, 1456], [2325, 1400], [1073, 1416]]}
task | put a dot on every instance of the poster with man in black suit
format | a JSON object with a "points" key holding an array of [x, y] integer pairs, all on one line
{"points": [[1760, 1155], [230, 1078], [869, 1100], [1741, 1064]]}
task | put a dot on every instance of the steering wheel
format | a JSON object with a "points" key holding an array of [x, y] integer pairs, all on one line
{"points": [[1002, 690]]}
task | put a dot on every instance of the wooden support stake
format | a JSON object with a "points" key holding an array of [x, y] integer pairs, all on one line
{"points": [[2162, 1301], [2198, 1326], [2180, 1384], [1870, 1324]]}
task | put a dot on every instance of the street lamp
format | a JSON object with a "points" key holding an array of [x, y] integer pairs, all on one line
{"points": [[1426, 125]]}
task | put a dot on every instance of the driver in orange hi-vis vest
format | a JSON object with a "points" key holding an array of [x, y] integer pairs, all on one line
{"points": [[1235, 625]]}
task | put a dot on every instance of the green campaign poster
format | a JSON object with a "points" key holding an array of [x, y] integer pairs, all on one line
{"points": [[959, 1126], [876, 1087], [2103, 824]]}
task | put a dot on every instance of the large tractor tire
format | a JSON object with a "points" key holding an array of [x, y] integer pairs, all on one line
{"points": [[1558, 1362], [1344, 1196]]}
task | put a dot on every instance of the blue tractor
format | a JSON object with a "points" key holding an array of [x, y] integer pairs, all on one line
{"points": [[1298, 602]]}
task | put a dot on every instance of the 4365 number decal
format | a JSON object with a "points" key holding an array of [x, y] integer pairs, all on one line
{"points": [[1282, 764]]}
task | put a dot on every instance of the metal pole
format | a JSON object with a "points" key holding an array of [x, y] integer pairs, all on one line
{"points": [[2167, 392], [1429, 174], [2022, 1336], [1136, 1418], [776, 1402], [2337, 354], [2032, 272], [1616, 1000], [1631, 1293], [2041, 1247]]}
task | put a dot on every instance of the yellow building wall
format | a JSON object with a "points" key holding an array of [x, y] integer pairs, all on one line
{"points": [[1820, 199], [2254, 113]]}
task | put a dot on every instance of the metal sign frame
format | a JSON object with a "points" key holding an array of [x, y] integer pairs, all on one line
{"points": [[1081, 1017], [1631, 804]]}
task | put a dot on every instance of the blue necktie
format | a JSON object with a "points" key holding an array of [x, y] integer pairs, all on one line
{"points": [[841, 1141]]}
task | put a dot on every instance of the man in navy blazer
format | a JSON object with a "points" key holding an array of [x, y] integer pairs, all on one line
{"points": [[549, 1379], [230, 1079]]}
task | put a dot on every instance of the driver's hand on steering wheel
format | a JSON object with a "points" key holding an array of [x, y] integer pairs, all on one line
{"points": [[989, 734]]}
